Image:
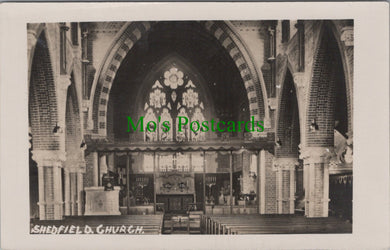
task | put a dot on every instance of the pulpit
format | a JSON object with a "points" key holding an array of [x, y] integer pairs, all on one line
{"points": [[100, 202]]}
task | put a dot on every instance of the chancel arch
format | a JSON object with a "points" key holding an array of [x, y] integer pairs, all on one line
{"points": [[219, 88], [131, 33], [168, 74]]}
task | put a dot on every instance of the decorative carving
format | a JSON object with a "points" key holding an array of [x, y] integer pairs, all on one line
{"points": [[173, 78], [272, 103], [343, 149], [49, 158], [347, 35], [31, 38], [300, 79], [175, 184], [190, 98], [267, 124], [301, 83], [63, 82], [157, 98], [75, 166], [316, 154], [198, 135], [285, 163]]}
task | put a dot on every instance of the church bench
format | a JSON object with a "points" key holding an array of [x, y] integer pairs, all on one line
{"points": [[263, 224]]}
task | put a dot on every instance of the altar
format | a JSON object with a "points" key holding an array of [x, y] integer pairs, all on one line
{"points": [[173, 177]]}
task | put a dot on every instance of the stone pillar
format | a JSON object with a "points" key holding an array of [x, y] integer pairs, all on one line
{"points": [[73, 193], [110, 160], [67, 191], [73, 176], [63, 82], [50, 163], [316, 178], [285, 186], [261, 177], [95, 169], [102, 165], [80, 188], [31, 41], [347, 36]]}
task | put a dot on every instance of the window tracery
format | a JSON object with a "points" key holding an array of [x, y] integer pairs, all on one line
{"points": [[177, 96]]}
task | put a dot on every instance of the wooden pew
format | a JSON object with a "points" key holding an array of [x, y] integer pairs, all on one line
{"points": [[275, 224]]}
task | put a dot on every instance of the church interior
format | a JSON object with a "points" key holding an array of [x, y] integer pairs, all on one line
{"points": [[88, 166]]}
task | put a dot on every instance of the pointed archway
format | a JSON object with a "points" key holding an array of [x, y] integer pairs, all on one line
{"points": [[131, 33], [288, 174], [44, 132], [328, 117]]}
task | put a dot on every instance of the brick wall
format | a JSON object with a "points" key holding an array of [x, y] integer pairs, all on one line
{"points": [[288, 129], [73, 136], [49, 191], [327, 64], [42, 99], [318, 187], [110, 120], [286, 191], [270, 186], [88, 176]]}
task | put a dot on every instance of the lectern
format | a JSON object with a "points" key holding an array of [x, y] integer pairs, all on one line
{"points": [[100, 202]]}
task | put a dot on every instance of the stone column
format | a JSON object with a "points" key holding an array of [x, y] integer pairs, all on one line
{"points": [[73, 176], [31, 41], [261, 177], [285, 168], [67, 191], [347, 38], [95, 169], [63, 82], [49, 164], [111, 162], [80, 188], [316, 179], [73, 192], [102, 165]]}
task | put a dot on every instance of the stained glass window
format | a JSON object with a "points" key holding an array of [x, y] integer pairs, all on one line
{"points": [[173, 95]]}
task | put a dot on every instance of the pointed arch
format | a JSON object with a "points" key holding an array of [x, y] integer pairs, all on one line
{"points": [[42, 98], [288, 122], [327, 79], [130, 33]]}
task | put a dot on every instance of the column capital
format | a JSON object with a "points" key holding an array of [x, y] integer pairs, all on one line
{"points": [[31, 38], [256, 135], [272, 103], [285, 163], [347, 35], [63, 82], [49, 157], [316, 154], [75, 164], [300, 79]]}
